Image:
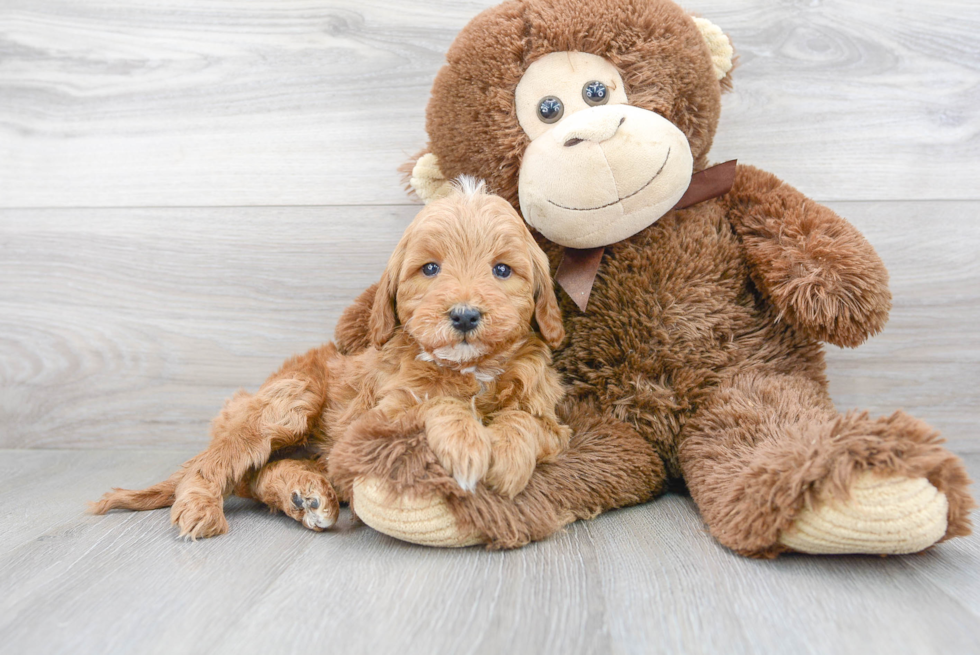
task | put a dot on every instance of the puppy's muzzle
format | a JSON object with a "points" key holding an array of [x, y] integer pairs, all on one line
{"points": [[465, 318]]}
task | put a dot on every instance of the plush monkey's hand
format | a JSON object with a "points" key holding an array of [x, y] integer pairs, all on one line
{"points": [[816, 268]]}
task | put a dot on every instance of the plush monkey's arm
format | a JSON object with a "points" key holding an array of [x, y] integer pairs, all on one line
{"points": [[351, 333], [816, 268]]}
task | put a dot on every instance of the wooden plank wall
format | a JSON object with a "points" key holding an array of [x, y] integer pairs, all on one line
{"points": [[191, 191]]}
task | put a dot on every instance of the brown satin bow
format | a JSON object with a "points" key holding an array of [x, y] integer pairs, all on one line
{"points": [[578, 267]]}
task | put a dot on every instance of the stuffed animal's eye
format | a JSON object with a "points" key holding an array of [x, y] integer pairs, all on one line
{"points": [[550, 109], [430, 269], [501, 271], [595, 93]]}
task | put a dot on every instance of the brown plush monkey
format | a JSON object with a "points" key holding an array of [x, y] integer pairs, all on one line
{"points": [[698, 354]]}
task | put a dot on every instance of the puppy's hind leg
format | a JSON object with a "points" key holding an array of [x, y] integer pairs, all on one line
{"points": [[208, 514], [297, 487], [284, 412]]}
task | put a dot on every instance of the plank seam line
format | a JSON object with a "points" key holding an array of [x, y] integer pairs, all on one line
{"points": [[412, 204]]}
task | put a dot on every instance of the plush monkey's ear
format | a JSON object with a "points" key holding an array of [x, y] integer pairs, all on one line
{"points": [[546, 312], [427, 180], [720, 46], [383, 318]]}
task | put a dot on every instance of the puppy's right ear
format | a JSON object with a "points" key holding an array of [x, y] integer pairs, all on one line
{"points": [[384, 319]]}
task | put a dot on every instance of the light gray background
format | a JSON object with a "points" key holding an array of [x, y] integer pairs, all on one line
{"points": [[192, 190]]}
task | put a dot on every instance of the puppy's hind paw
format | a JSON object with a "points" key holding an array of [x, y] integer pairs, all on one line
{"points": [[315, 504]]}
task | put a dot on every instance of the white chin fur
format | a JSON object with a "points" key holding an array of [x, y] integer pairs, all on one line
{"points": [[482, 374], [461, 352]]}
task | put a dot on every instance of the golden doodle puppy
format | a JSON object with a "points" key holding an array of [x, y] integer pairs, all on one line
{"points": [[454, 346]]}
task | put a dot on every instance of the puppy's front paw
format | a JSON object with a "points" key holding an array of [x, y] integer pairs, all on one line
{"points": [[512, 467], [465, 458], [467, 468], [199, 515], [462, 446]]}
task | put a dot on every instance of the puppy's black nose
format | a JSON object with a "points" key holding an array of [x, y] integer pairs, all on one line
{"points": [[465, 318]]}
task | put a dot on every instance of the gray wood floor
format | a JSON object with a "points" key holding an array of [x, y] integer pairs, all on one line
{"points": [[647, 579], [191, 191]]}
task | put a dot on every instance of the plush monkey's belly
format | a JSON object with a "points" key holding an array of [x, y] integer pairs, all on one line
{"points": [[672, 312]]}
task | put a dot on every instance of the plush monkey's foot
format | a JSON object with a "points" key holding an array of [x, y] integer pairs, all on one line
{"points": [[425, 520], [884, 515]]}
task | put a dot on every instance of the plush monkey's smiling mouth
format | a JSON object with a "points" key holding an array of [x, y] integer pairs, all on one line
{"points": [[610, 204]]}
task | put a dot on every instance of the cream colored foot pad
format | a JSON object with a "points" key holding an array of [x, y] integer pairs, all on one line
{"points": [[884, 515], [425, 521]]}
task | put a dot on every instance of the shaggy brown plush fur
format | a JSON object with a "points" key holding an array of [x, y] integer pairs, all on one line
{"points": [[765, 445], [699, 356]]}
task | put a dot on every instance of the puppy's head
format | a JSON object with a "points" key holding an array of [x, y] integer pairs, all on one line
{"points": [[466, 280]]}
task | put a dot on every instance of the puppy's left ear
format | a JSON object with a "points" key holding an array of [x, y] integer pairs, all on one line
{"points": [[383, 318], [546, 312]]}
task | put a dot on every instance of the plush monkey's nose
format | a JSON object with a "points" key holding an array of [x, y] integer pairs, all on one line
{"points": [[465, 318], [596, 124]]}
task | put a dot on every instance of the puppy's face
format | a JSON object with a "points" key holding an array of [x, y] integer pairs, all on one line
{"points": [[466, 280]]}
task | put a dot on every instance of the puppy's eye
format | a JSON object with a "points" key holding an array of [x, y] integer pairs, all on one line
{"points": [[501, 271], [430, 269], [550, 109], [595, 93]]}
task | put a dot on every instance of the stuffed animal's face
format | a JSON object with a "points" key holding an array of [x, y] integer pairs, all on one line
{"points": [[597, 170], [588, 115]]}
